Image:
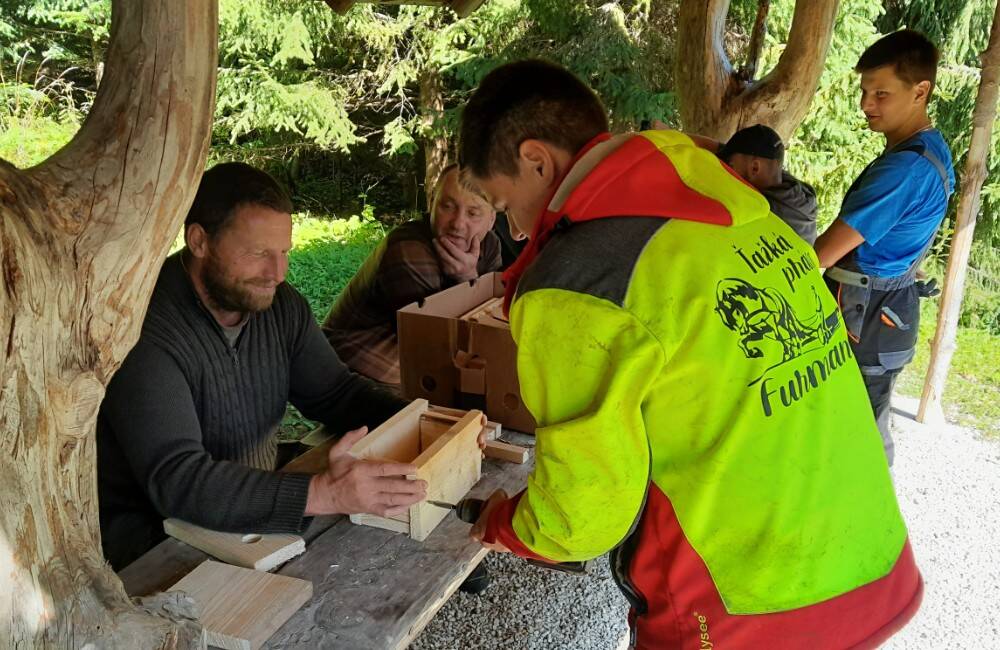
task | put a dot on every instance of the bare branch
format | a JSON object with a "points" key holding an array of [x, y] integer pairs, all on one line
{"points": [[749, 70], [781, 99]]}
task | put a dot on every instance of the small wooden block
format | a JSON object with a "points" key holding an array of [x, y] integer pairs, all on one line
{"points": [[242, 608], [505, 451], [264, 552], [454, 415]]}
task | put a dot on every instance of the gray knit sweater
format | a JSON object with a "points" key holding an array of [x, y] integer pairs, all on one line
{"points": [[187, 428]]}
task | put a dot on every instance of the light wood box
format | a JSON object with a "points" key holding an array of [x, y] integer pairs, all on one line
{"points": [[445, 452]]}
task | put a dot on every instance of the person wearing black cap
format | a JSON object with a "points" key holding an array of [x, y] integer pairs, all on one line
{"points": [[756, 153]]}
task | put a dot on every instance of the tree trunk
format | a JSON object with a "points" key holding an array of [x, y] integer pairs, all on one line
{"points": [[983, 117], [435, 140], [82, 237], [715, 102]]}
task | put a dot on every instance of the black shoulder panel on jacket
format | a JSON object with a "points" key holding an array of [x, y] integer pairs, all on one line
{"points": [[593, 257]]}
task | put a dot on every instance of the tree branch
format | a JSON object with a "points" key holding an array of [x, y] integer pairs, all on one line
{"points": [[973, 178], [749, 70], [118, 192], [702, 69], [781, 99]]}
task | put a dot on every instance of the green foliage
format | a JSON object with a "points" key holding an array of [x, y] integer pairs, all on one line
{"points": [[610, 45], [25, 142], [960, 28], [972, 390], [269, 86], [326, 254], [833, 144]]}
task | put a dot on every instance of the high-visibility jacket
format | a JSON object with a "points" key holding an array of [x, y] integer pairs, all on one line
{"points": [[699, 411]]}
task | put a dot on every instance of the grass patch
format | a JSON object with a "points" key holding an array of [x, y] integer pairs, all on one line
{"points": [[972, 390], [326, 253], [25, 142]]}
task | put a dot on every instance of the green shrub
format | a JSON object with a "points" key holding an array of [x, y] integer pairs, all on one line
{"points": [[326, 254]]}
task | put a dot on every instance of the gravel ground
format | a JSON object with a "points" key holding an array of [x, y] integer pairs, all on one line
{"points": [[948, 480], [527, 608]]}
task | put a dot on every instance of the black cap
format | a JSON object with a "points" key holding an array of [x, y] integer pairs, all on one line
{"points": [[757, 140]]}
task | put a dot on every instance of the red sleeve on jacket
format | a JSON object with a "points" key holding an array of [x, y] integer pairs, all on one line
{"points": [[499, 529]]}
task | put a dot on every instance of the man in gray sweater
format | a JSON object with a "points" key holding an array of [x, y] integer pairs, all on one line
{"points": [[757, 154], [188, 426]]}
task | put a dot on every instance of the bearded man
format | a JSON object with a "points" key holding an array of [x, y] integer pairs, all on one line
{"points": [[188, 426], [452, 244]]}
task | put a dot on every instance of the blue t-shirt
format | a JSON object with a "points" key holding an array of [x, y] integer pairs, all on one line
{"points": [[898, 205]]}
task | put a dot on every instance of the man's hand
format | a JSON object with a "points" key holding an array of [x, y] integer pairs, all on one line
{"points": [[458, 264], [479, 528], [482, 432], [351, 485]]}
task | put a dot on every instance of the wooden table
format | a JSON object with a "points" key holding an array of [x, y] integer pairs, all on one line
{"points": [[372, 588]]}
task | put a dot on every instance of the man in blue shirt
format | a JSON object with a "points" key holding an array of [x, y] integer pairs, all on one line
{"points": [[889, 216]]}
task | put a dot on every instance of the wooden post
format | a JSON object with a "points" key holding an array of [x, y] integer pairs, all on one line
{"points": [[82, 238], [983, 116]]}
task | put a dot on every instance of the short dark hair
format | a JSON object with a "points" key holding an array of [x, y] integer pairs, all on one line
{"points": [[229, 186], [912, 54], [529, 99]]}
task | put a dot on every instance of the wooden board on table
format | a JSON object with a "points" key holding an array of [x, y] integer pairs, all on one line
{"points": [[172, 559], [376, 590], [264, 552], [242, 608]]}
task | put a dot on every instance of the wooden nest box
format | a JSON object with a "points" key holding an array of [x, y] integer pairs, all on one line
{"points": [[445, 451]]}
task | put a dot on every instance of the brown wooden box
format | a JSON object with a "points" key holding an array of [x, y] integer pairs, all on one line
{"points": [[456, 344]]}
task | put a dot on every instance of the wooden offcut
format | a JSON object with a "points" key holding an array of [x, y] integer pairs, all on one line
{"points": [[242, 608], [506, 451], [263, 552]]}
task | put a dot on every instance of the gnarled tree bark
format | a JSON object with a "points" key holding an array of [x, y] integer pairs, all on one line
{"points": [[82, 237], [715, 101]]}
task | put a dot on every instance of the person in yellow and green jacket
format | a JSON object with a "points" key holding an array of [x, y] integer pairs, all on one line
{"points": [[699, 411]]}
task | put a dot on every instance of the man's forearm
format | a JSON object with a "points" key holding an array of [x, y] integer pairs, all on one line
{"points": [[838, 240]]}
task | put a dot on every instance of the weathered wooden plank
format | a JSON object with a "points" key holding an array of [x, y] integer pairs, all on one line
{"points": [[252, 550], [241, 608], [172, 559], [375, 589]]}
